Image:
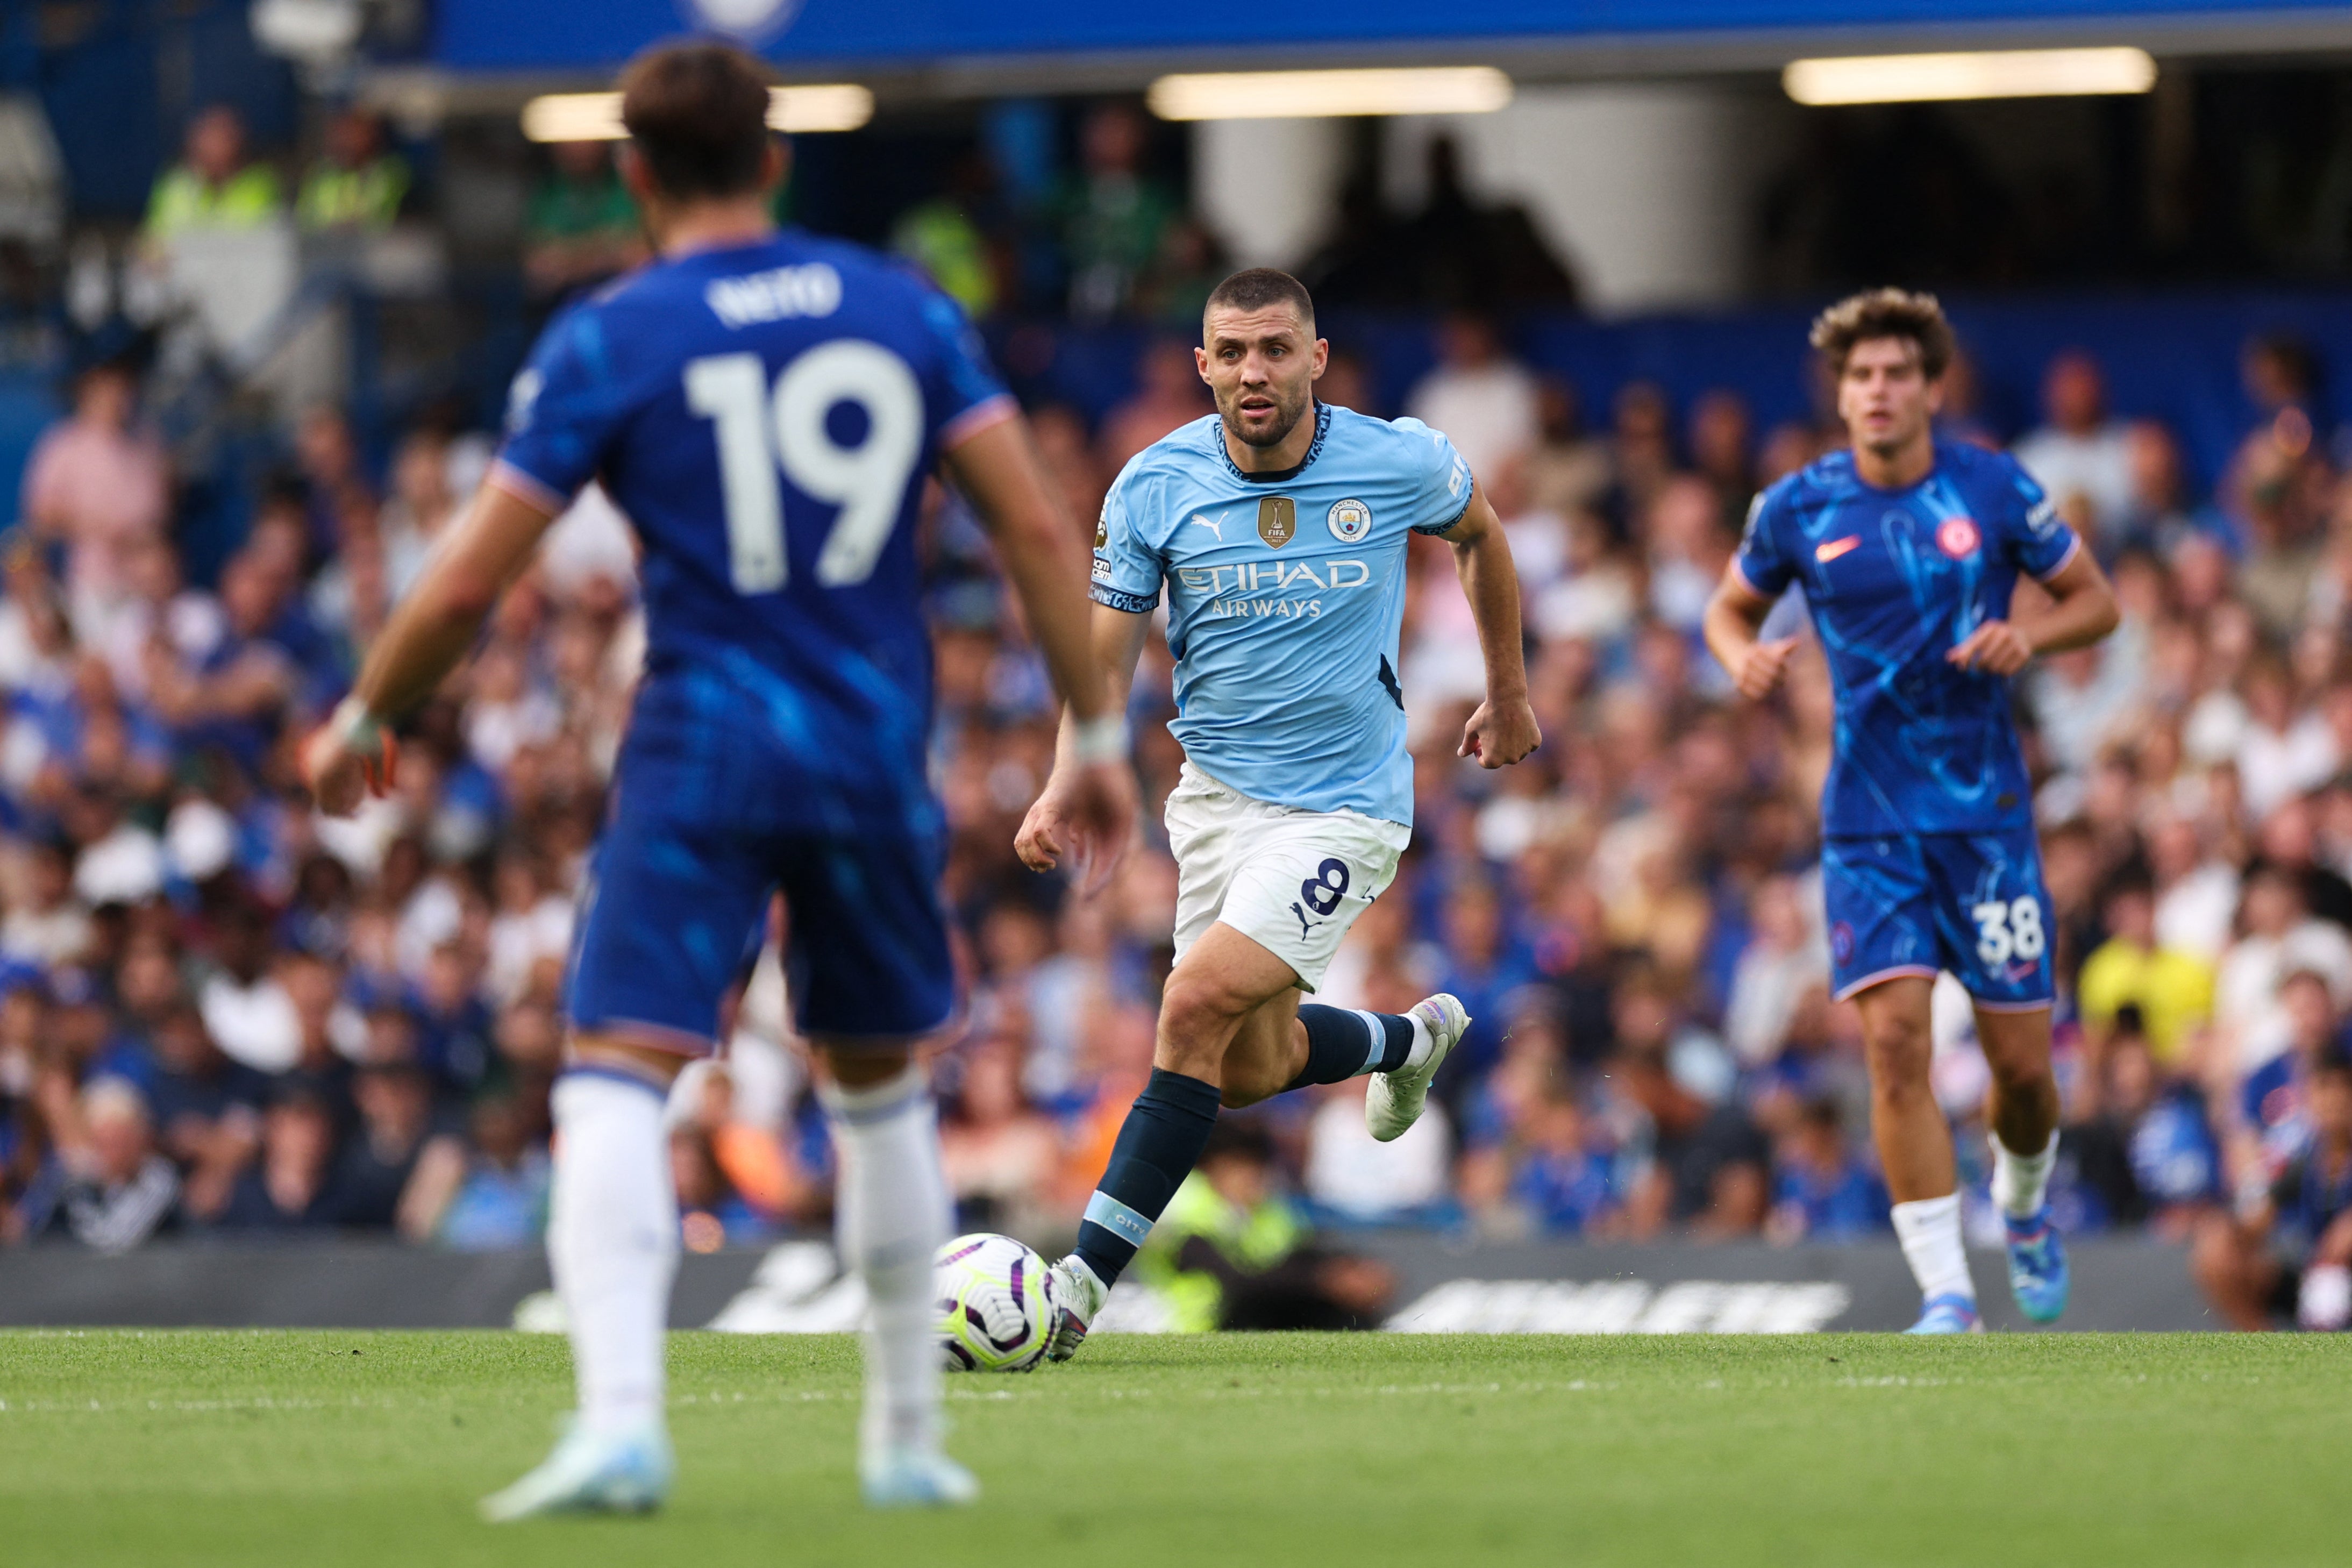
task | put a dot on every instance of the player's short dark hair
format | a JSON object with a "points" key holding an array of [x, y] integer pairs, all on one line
{"points": [[1886, 313], [2332, 1060], [699, 114], [1259, 287]]}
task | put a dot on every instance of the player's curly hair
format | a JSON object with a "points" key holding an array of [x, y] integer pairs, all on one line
{"points": [[1886, 313]]}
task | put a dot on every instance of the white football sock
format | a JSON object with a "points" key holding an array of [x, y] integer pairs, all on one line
{"points": [[612, 1241], [2019, 1181], [892, 1215], [1423, 1043], [1929, 1230]]}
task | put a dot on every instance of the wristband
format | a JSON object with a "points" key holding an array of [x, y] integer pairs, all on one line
{"points": [[1103, 740]]}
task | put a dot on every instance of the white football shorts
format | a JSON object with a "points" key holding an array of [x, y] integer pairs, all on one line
{"points": [[1291, 880]]}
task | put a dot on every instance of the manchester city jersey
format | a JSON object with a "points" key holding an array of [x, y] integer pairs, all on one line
{"points": [[764, 414], [1895, 581], [1286, 591]]}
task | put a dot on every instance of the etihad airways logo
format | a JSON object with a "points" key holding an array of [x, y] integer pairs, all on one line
{"points": [[1225, 587]]}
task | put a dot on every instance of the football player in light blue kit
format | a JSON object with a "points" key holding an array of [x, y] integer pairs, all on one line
{"points": [[1276, 529], [763, 406], [1908, 550]]}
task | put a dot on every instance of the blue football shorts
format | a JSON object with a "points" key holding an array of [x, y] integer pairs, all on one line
{"points": [[696, 844], [1972, 904]]}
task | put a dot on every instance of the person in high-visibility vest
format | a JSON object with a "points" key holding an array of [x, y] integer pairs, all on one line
{"points": [[215, 185], [357, 185]]}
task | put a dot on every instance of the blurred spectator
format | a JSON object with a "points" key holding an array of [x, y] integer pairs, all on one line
{"points": [[1170, 393], [1785, 958], [2280, 940], [110, 1189], [1486, 402], [2081, 454], [1355, 1179], [357, 182], [286, 1188], [946, 238], [2142, 1150], [1174, 289], [581, 227], [1568, 471], [1112, 215], [1232, 1253], [99, 484], [998, 1154], [2170, 990], [215, 184], [1464, 254], [2287, 1253], [485, 1193], [1822, 1188], [370, 1186]]}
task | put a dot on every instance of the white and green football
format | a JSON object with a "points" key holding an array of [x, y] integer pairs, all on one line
{"points": [[996, 1303]]}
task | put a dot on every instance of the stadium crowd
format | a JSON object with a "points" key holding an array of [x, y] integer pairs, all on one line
{"points": [[223, 1014]]}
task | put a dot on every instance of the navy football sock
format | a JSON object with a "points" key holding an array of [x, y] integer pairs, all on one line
{"points": [[1163, 1136], [1342, 1044]]}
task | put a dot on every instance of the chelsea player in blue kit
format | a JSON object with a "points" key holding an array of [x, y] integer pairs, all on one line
{"points": [[763, 406], [1278, 527], [1908, 550]]}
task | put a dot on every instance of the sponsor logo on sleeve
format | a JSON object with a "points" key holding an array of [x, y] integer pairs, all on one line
{"points": [[1350, 520], [2042, 517]]}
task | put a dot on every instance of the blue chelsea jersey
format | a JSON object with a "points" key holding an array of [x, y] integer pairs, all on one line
{"points": [[1284, 595], [764, 415], [1894, 580]]}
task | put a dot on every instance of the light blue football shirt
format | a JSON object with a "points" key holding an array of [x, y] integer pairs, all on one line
{"points": [[1285, 594]]}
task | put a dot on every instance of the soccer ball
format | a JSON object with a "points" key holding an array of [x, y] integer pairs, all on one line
{"points": [[996, 1303]]}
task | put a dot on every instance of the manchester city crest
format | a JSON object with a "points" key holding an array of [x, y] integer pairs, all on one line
{"points": [[1350, 520], [1277, 520]]}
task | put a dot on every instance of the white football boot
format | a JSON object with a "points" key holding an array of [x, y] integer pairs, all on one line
{"points": [[1393, 1101], [592, 1472], [1078, 1295], [899, 1475]]}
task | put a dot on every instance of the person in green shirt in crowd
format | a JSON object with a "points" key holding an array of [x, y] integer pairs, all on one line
{"points": [[581, 227], [1231, 1251], [1111, 216], [357, 184], [214, 185]]}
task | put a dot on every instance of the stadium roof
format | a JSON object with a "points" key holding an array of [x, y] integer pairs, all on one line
{"points": [[999, 44]]}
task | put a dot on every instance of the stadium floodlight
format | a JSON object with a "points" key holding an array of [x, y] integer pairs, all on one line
{"points": [[1987, 73], [596, 116], [1315, 95]]}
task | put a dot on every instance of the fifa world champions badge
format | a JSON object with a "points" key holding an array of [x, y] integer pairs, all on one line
{"points": [[1277, 520]]}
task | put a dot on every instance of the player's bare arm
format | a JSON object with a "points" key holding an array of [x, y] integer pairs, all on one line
{"points": [[1093, 788], [1503, 730], [2082, 610], [430, 630], [1734, 620], [1055, 826]]}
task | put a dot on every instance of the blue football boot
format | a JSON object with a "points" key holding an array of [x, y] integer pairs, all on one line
{"points": [[1950, 1314], [2037, 1266]]}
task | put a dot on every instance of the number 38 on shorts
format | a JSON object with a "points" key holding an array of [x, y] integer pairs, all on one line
{"points": [[1970, 903]]}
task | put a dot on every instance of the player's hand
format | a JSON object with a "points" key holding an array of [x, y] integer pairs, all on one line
{"points": [[1761, 667], [1996, 648], [1086, 813], [1500, 734], [350, 757]]}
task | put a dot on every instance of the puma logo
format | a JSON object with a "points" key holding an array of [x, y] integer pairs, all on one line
{"points": [[1306, 926], [1213, 524]]}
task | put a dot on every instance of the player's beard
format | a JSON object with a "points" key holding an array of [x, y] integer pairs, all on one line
{"points": [[1289, 408]]}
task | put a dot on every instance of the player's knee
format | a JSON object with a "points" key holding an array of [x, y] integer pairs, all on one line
{"points": [[1899, 1051]]}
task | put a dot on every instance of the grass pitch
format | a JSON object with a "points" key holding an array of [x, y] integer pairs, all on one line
{"points": [[348, 1450]]}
